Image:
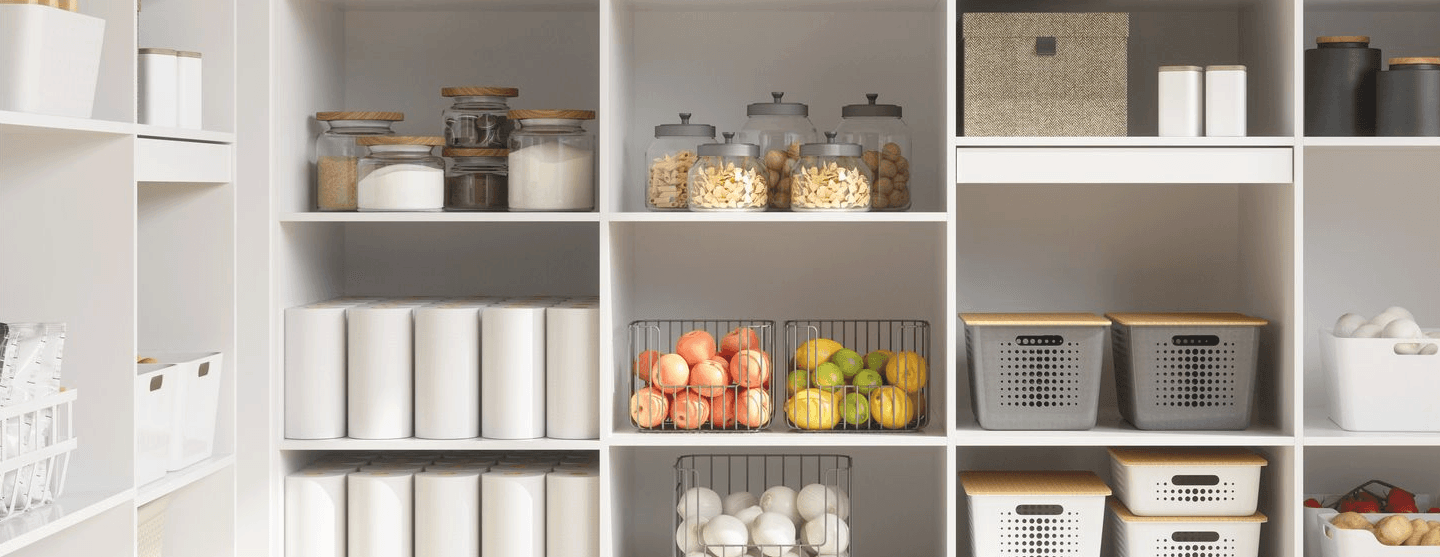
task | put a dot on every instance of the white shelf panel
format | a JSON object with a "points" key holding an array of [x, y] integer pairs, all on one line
{"points": [[778, 216], [1321, 432], [67, 511], [508, 5], [786, 5], [178, 479], [26, 122], [165, 160], [439, 444], [181, 134], [440, 216], [780, 438], [1124, 165], [1111, 430], [965, 141], [1364, 142]]}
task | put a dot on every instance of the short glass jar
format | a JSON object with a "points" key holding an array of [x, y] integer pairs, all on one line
{"points": [[779, 128], [552, 161], [885, 139], [728, 176], [671, 155], [831, 176], [402, 174], [478, 119], [337, 155], [475, 179]]}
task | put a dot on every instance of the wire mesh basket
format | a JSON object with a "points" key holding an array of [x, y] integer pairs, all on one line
{"points": [[683, 380], [888, 392], [708, 486], [38, 437]]}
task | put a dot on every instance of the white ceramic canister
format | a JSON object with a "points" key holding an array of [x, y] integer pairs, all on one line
{"points": [[158, 87], [1225, 114], [1182, 101], [188, 95]]}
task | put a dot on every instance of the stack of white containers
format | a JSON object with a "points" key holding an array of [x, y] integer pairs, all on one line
{"points": [[170, 88], [449, 505], [1178, 501], [518, 368]]}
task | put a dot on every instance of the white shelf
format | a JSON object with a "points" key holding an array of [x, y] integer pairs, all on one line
{"points": [[439, 444], [12, 122], [1111, 430], [778, 216], [780, 438], [181, 134], [439, 216], [66, 511], [965, 141], [1321, 432], [175, 481], [1363, 142]]}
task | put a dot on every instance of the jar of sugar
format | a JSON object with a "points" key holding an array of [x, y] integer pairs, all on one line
{"points": [[401, 173], [552, 161]]}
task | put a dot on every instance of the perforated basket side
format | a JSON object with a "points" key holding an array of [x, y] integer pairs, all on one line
{"points": [[1033, 377], [1185, 539], [1187, 490], [1026, 526], [1188, 377]]}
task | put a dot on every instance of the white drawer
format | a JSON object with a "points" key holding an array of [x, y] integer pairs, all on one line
{"points": [[161, 160]]}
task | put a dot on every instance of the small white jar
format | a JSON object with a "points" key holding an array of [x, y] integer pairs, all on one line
{"points": [[158, 88], [1182, 101], [401, 173], [1225, 114], [188, 93]]}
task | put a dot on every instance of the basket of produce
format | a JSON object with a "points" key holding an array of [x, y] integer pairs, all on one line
{"points": [[701, 375], [1365, 360], [1371, 497], [1035, 370], [857, 375], [1169, 536], [1185, 370], [773, 505], [1182, 481], [1352, 534]]}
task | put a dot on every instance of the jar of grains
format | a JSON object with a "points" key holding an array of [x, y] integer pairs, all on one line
{"points": [[401, 174], [552, 161], [475, 179], [886, 142], [671, 156], [831, 176], [337, 154], [728, 177], [478, 119], [779, 128]]}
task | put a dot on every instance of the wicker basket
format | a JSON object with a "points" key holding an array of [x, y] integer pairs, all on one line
{"points": [[1045, 74]]}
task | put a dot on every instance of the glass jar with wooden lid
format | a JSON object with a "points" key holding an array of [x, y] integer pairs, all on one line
{"points": [[401, 173], [478, 119], [337, 154], [552, 161], [476, 179]]}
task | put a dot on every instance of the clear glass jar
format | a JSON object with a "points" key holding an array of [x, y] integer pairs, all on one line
{"points": [[552, 161], [779, 128], [475, 179], [831, 176], [886, 142], [479, 119], [401, 173], [728, 176], [671, 155], [337, 155]]}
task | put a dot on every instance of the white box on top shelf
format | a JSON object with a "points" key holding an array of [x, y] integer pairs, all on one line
{"points": [[49, 60]]}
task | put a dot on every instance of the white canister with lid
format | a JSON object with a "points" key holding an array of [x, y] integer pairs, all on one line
{"points": [[1182, 101], [158, 87], [1225, 114], [188, 92]]}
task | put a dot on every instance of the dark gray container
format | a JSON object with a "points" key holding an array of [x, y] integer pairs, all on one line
{"points": [[1340, 87], [1035, 371], [1185, 370], [1409, 98]]}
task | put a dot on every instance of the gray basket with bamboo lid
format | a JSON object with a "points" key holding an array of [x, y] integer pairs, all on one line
{"points": [[1185, 371], [1035, 371]]}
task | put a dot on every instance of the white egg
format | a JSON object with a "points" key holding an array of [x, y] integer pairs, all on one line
{"points": [[817, 499], [1368, 330], [1346, 325], [1429, 350], [1398, 312], [699, 502], [781, 499], [687, 536], [738, 501], [828, 534], [771, 531], [748, 514], [726, 536], [1402, 328], [1384, 319]]}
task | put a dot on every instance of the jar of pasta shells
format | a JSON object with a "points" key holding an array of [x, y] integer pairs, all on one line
{"points": [[671, 155], [831, 176], [728, 177], [886, 142], [779, 129]]}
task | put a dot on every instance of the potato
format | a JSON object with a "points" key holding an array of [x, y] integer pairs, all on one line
{"points": [[1351, 521], [1393, 530], [1420, 529], [1431, 538]]}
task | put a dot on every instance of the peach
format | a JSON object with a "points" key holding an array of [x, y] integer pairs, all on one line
{"points": [[645, 363], [709, 378], [753, 408], [671, 374], [722, 409], [649, 407], [695, 346], [750, 368], [720, 360], [689, 410], [742, 338]]}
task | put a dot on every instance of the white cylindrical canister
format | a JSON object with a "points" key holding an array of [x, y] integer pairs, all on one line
{"points": [[188, 94], [158, 69], [1225, 101], [1182, 101]]}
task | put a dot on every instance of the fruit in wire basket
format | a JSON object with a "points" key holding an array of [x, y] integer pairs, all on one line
{"points": [[828, 376], [891, 408], [828, 533], [815, 352], [726, 536], [723, 410], [738, 501], [649, 407], [741, 338], [709, 378], [797, 381], [671, 374], [644, 363], [687, 536], [849, 362], [812, 409], [876, 359], [689, 410], [817, 499], [695, 346], [781, 499], [754, 408], [855, 409], [908, 371], [773, 531], [700, 503], [867, 381], [750, 368]]}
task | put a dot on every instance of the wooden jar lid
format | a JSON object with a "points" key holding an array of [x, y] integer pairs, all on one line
{"points": [[160, 51], [560, 114], [430, 140], [474, 91], [462, 152], [1035, 319], [1227, 68], [188, 54], [1413, 61], [385, 116], [1181, 69], [1343, 39]]}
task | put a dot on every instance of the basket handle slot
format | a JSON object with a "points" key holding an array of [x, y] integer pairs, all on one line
{"points": [[1039, 340], [157, 382], [1039, 510], [204, 369], [1195, 480], [1195, 340], [1416, 349], [1203, 537]]}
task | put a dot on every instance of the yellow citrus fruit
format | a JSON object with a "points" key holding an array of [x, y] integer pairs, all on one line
{"points": [[890, 407], [908, 371], [812, 409], [815, 352]]}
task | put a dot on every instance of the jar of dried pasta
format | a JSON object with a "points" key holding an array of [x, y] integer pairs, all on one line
{"points": [[670, 157], [728, 176], [831, 176]]}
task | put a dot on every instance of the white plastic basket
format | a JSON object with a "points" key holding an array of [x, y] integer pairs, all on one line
{"points": [[1312, 524], [1339, 542], [32, 471], [49, 60], [1056, 514], [197, 402], [1187, 481], [1137, 536], [154, 409], [1363, 373]]}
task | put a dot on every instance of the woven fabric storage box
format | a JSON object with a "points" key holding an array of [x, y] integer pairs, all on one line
{"points": [[1057, 514], [1187, 481], [1170, 536], [1035, 370], [1045, 74], [1185, 370]]}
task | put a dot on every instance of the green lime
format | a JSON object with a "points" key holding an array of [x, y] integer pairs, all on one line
{"points": [[828, 376], [876, 359], [867, 381], [798, 380], [855, 409], [849, 361]]}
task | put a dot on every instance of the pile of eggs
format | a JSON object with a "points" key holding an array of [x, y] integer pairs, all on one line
{"points": [[1393, 323], [781, 522]]}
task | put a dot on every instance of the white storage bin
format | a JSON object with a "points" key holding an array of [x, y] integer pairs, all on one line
{"points": [[1018, 513], [33, 472], [154, 409], [197, 401], [1312, 524], [1227, 536], [1364, 371], [1339, 542], [1187, 481], [49, 60]]}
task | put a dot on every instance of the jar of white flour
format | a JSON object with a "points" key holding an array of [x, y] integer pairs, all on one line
{"points": [[401, 174], [552, 161]]}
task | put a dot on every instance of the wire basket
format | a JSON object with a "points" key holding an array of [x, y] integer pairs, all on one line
{"points": [[727, 475], [732, 396], [903, 386], [38, 437]]}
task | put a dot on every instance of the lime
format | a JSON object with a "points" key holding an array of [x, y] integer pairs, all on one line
{"points": [[876, 359], [798, 380], [855, 409], [849, 361], [867, 381], [828, 376]]}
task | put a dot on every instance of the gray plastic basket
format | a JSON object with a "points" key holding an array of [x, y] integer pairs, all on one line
{"points": [[1035, 371], [1185, 370]]}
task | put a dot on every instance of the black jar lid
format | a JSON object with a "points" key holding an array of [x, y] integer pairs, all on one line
{"points": [[777, 108], [870, 110], [729, 148], [685, 128], [830, 148]]}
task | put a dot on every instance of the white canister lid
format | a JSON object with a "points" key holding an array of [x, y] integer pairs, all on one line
{"points": [[1181, 69], [1231, 68]]}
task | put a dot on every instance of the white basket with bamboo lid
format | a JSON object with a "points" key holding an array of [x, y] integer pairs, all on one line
{"points": [[1172, 536], [1057, 514], [1186, 481]]}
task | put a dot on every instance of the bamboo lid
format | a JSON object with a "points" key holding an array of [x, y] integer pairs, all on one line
{"points": [[1181, 69], [1184, 456], [62, 4], [160, 51], [1035, 319], [188, 54], [1124, 514], [1413, 61], [459, 152], [1186, 319], [560, 114], [372, 140], [479, 92], [1343, 39], [385, 116], [1229, 68], [1033, 483]]}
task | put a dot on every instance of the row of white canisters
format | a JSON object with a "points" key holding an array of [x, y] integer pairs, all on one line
{"points": [[449, 505], [443, 368], [170, 88], [1207, 101]]}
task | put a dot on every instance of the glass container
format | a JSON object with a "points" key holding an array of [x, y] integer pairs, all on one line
{"points": [[401, 173], [779, 128], [475, 179], [552, 161], [885, 140], [479, 117], [337, 154], [670, 157], [728, 176], [831, 176]]}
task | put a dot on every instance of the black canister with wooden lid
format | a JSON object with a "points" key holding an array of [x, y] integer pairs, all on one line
{"points": [[1408, 98], [1340, 87]]}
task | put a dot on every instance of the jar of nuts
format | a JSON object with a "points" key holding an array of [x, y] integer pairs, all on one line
{"points": [[831, 176], [886, 141], [671, 155], [778, 128], [728, 177]]}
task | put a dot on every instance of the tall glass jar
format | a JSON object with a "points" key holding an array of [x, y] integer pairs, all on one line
{"points": [[779, 128], [402, 173], [476, 179], [479, 118], [886, 142], [552, 161], [728, 176], [671, 155], [831, 176], [337, 154]]}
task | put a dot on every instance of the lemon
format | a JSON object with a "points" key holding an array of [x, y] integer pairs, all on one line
{"points": [[815, 352], [890, 407], [908, 371], [812, 409]]}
